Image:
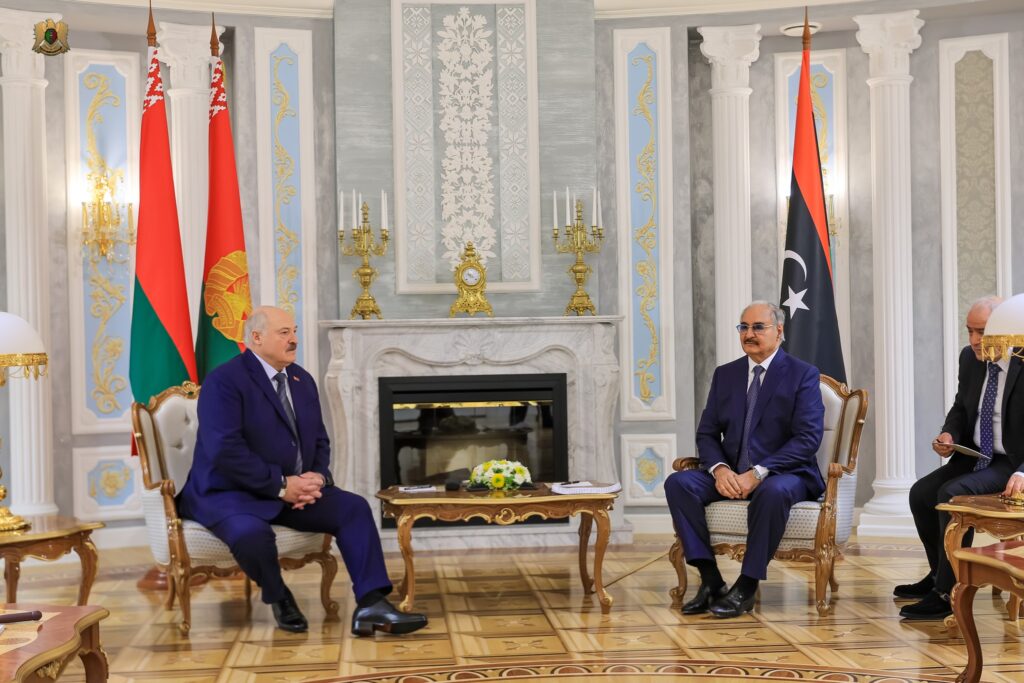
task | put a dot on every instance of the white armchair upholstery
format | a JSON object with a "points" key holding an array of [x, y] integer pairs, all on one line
{"points": [[817, 530], [165, 431]]}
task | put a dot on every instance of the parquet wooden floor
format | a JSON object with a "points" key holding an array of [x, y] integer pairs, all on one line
{"points": [[524, 615]]}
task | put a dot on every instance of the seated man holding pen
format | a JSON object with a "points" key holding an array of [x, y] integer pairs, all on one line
{"points": [[987, 416]]}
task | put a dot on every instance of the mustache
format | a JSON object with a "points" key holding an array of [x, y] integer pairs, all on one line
{"points": [[293, 346]]}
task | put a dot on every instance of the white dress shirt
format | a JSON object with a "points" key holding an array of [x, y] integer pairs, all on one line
{"points": [[761, 471]]}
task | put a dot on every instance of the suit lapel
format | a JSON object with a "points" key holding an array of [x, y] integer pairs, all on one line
{"points": [[973, 398], [259, 376], [1011, 378], [769, 384]]}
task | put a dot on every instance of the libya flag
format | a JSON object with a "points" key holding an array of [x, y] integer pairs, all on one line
{"points": [[161, 338], [226, 301], [812, 328]]}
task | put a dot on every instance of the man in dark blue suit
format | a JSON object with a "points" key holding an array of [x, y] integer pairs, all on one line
{"points": [[262, 457], [757, 440]]}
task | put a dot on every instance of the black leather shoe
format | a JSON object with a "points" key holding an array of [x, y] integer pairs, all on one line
{"points": [[915, 591], [288, 615], [702, 600], [933, 607], [733, 604], [382, 616]]}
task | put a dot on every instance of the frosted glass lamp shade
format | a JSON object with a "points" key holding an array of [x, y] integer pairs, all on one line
{"points": [[1005, 329], [22, 353]]}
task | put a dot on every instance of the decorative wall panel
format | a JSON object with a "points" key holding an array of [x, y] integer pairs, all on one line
{"points": [[102, 116], [643, 143], [646, 463], [287, 194], [108, 483], [466, 142], [975, 176], [828, 99]]}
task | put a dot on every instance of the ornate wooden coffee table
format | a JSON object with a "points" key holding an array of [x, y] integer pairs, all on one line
{"points": [[502, 508], [1000, 565], [48, 538], [39, 650]]}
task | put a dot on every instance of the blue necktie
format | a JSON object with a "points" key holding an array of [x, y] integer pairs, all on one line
{"points": [[985, 417], [755, 387], [282, 394]]}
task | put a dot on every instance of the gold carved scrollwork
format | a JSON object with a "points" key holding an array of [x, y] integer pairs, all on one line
{"points": [[51, 670], [286, 240], [113, 477], [647, 235], [107, 297]]}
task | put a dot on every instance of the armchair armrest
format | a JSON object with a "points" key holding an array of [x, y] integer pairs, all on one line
{"points": [[681, 464]]}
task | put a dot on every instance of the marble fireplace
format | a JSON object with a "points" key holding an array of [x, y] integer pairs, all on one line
{"points": [[583, 349]]}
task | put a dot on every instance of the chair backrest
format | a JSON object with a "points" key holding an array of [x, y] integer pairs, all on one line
{"points": [[165, 431], [844, 420]]}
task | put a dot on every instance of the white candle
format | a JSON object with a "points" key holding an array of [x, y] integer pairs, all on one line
{"points": [[355, 221], [597, 221], [572, 214], [341, 209], [554, 210], [359, 213], [382, 211], [384, 221], [593, 206], [567, 222]]}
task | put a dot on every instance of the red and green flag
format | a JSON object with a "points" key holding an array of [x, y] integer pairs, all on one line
{"points": [[161, 333], [226, 301]]}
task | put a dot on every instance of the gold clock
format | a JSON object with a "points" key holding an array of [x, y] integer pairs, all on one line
{"points": [[470, 283]]}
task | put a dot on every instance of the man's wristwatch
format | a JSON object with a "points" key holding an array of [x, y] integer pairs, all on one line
{"points": [[757, 473], [284, 487]]}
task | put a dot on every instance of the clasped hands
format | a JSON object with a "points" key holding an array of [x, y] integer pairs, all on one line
{"points": [[735, 486], [303, 489]]}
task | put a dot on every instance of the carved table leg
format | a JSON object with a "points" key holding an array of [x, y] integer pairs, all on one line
{"points": [[404, 524], [12, 572], [89, 558], [94, 659], [586, 521], [963, 610], [953, 540], [604, 528]]}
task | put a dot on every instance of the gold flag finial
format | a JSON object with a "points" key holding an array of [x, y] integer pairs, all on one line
{"points": [[214, 43], [807, 31], [151, 29]]}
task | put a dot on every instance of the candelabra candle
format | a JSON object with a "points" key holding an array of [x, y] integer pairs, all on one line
{"points": [[578, 241], [364, 245]]}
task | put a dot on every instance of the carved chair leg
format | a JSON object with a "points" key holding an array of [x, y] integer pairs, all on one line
{"points": [[822, 572], [832, 583], [675, 556], [329, 567], [1013, 609], [171, 592], [248, 589], [183, 579]]}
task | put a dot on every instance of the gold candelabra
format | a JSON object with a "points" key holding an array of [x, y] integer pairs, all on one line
{"points": [[364, 245], [103, 227], [579, 242]]}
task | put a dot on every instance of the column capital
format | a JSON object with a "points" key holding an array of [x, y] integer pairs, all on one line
{"points": [[17, 35], [186, 49], [888, 39], [731, 50]]}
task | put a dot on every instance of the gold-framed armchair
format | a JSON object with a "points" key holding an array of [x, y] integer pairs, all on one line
{"points": [[817, 530], [165, 432]]}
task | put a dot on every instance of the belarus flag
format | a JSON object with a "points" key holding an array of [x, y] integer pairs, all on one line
{"points": [[812, 331]]}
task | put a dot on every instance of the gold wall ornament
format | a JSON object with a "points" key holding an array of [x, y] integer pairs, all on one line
{"points": [[470, 283], [51, 38], [286, 240], [579, 242], [364, 245]]}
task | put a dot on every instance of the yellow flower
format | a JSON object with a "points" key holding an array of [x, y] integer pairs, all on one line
{"points": [[498, 481]]}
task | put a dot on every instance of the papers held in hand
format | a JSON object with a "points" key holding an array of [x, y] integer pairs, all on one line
{"points": [[961, 449]]}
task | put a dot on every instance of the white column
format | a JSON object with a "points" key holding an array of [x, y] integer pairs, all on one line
{"points": [[731, 50], [30, 479], [888, 39], [185, 48]]}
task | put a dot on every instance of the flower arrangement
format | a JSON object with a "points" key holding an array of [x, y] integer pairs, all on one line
{"points": [[500, 475]]}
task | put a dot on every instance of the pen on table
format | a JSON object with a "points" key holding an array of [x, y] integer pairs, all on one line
{"points": [[14, 617], [566, 483]]}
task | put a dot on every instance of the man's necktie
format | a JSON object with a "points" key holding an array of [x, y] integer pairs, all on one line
{"points": [[755, 387], [985, 417], [282, 394]]}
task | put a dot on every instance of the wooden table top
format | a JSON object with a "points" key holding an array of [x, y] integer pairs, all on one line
{"points": [[988, 505], [45, 527], [541, 494], [1007, 556], [27, 645]]}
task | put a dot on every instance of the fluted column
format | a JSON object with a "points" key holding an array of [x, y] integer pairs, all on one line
{"points": [[888, 39], [28, 283], [185, 48], [731, 50]]}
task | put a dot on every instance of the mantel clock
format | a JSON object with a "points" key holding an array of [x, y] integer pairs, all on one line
{"points": [[470, 283]]}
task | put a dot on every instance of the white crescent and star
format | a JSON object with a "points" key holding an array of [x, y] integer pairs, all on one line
{"points": [[795, 302]]}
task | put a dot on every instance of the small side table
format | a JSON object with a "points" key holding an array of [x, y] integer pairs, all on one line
{"points": [[502, 508], [1000, 565], [39, 650], [48, 538], [987, 514]]}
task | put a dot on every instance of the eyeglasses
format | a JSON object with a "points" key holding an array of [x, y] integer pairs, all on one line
{"points": [[758, 328]]}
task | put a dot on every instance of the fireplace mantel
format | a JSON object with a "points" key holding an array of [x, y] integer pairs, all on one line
{"points": [[581, 347]]}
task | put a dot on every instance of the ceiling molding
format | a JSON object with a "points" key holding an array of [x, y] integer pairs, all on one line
{"points": [[625, 9], [318, 9]]}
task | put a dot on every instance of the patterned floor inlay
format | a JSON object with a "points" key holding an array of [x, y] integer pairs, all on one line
{"points": [[525, 616]]}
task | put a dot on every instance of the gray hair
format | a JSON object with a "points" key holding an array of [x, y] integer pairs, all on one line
{"points": [[986, 302], [774, 310], [256, 322]]}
